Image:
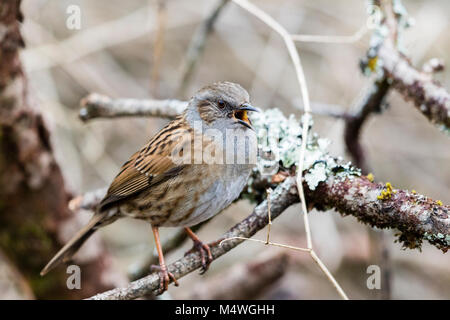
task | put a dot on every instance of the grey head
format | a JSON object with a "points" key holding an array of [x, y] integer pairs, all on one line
{"points": [[222, 105]]}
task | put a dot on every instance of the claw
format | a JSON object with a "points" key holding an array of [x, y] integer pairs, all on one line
{"points": [[164, 278], [205, 251], [205, 254]]}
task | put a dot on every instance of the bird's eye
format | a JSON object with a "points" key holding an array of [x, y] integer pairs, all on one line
{"points": [[221, 104]]}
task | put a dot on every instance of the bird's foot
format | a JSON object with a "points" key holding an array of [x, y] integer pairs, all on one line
{"points": [[205, 254], [164, 278]]}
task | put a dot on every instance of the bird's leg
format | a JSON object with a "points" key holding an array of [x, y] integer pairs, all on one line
{"points": [[205, 251], [165, 276]]}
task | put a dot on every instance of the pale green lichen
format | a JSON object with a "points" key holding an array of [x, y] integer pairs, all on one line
{"points": [[279, 142], [317, 174]]}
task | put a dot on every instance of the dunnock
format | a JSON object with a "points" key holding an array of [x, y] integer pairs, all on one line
{"points": [[184, 175]]}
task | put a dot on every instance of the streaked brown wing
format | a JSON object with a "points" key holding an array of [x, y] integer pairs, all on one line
{"points": [[145, 169]]}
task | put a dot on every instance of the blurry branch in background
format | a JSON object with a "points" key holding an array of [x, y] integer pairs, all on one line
{"points": [[96, 106], [332, 39], [328, 110], [100, 106], [197, 45], [158, 47], [371, 103], [244, 280]]}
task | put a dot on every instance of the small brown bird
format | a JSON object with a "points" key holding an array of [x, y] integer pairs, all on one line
{"points": [[184, 175]]}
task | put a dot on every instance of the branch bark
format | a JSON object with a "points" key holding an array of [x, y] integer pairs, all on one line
{"points": [[427, 94], [100, 106], [353, 124], [417, 217]]}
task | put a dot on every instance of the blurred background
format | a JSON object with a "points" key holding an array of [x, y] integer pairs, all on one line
{"points": [[138, 49]]}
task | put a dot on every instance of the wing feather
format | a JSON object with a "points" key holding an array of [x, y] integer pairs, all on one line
{"points": [[145, 169]]}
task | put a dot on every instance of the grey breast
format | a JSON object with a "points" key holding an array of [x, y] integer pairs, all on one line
{"points": [[222, 186]]}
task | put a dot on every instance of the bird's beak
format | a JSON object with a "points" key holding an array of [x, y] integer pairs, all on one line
{"points": [[241, 114], [248, 107]]}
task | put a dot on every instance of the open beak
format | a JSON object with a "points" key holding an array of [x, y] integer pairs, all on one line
{"points": [[241, 114]]}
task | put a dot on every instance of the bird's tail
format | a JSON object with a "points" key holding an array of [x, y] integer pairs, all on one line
{"points": [[66, 253]]}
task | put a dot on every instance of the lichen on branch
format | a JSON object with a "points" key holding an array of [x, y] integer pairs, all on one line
{"points": [[331, 183], [387, 57]]}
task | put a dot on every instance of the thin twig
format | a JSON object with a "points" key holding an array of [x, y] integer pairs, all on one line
{"points": [[158, 47], [270, 218], [268, 243], [332, 39], [329, 275]]}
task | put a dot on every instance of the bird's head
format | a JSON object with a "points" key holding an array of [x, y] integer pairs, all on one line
{"points": [[223, 105]]}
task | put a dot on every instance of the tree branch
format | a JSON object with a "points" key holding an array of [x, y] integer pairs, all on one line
{"points": [[353, 124], [428, 95], [100, 106], [415, 216]]}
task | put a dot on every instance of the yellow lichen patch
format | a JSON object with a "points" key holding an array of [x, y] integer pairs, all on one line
{"points": [[439, 203], [370, 177], [372, 64], [386, 194]]}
